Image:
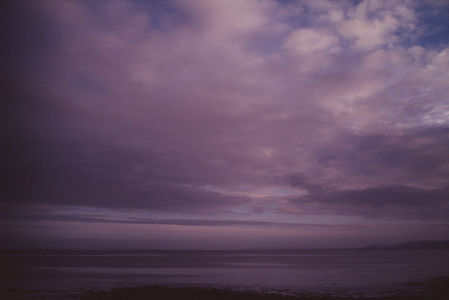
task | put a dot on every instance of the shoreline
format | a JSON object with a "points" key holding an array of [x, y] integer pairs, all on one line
{"points": [[433, 289]]}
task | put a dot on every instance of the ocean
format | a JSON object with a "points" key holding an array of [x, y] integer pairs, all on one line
{"points": [[360, 272]]}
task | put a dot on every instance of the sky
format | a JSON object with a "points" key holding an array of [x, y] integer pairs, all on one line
{"points": [[255, 124]]}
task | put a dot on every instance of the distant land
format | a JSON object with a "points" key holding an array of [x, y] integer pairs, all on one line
{"points": [[414, 245]]}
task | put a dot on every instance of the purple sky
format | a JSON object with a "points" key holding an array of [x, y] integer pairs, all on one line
{"points": [[224, 124]]}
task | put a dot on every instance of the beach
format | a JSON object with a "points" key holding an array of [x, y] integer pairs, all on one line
{"points": [[434, 289]]}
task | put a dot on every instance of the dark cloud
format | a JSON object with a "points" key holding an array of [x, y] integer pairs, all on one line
{"points": [[415, 156], [387, 202], [148, 221], [300, 180]]}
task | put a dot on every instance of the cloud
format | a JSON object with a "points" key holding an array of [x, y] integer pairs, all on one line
{"points": [[415, 157], [205, 107], [30, 217], [373, 24], [380, 202]]}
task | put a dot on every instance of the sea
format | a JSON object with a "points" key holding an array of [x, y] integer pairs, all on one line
{"points": [[349, 272]]}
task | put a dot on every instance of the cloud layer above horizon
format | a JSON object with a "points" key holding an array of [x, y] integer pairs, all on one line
{"points": [[279, 120]]}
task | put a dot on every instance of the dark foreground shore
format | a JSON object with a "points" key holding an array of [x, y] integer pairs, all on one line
{"points": [[436, 289]]}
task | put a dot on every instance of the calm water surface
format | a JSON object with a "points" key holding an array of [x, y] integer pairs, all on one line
{"points": [[361, 272]]}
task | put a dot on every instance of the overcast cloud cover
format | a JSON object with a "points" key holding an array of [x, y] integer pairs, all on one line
{"points": [[224, 124]]}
